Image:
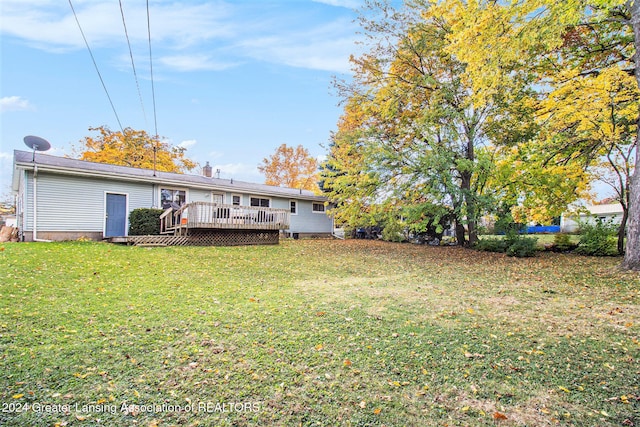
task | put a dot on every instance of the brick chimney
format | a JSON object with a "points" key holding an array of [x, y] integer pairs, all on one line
{"points": [[206, 170]]}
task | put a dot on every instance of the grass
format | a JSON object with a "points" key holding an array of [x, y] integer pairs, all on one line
{"points": [[355, 333]]}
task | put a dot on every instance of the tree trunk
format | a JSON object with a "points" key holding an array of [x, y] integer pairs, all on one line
{"points": [[622, 230], [471, 208], [460, 233], [632, 253]]}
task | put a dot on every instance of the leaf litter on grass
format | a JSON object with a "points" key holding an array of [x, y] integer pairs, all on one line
{"points": [[311, 329]]}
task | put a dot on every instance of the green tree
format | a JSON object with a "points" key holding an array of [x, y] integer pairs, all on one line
{"points": [[134, 148]]}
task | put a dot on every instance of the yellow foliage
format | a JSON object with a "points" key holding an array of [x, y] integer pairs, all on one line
{"points": [[291, 167], [135, 149]]}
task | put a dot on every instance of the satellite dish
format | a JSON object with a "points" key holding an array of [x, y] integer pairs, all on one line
{"points": [[36, 143]]}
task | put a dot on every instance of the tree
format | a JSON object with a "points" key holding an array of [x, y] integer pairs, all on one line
{"points": [[500, 40], [347, 178], [134, 148], [291, 167], [595, 116], [423, 138]]}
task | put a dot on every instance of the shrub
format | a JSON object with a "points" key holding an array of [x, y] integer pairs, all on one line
{"points": [[144, 221], [513, 245], [522, 247], [394, 232], [597, 239], [562, 243], [492, 244]]}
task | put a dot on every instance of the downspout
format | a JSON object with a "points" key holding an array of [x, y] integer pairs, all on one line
{"points": [[35, 206]]}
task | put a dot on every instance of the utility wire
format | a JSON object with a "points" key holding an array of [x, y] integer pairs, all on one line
{"points": [[96, 66], [133, 65], [153, 92]]}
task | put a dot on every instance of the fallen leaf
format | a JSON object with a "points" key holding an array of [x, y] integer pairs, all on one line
{"points": [[362, 404], [499, 416], [377, 411], [17, 396]]}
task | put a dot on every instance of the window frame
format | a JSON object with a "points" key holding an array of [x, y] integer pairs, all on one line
{"points": [[173, 190], [251, 198], [313, 207]]}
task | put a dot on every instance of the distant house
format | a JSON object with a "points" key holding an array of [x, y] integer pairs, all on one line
{"points": [[570, 222], [63, 199]]}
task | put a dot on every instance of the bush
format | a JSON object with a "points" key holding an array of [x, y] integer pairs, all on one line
{"points": [[598, 239], [492, 244], [562, 243], [513, 245], [394, 232], [522, 247], [144, 221]]}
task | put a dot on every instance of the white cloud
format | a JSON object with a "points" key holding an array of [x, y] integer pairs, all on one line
{"points": [[238, 171], [14, 103], [205, 36], [52, 25], [215, 154], [350, 4], [188, 143], [326, 47], [194, 63], [5, 156]]}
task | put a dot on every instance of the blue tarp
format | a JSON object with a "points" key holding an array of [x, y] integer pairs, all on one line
{"points": [[543, 229]]}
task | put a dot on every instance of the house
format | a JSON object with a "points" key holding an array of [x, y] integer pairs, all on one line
{"points": [[570, 222], [64, 199]]}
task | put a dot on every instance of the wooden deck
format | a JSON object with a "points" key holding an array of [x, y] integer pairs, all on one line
{"points": [[207, 216]]}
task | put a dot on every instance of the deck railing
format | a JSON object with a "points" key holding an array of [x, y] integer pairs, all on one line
{"points": [[214, 215]]}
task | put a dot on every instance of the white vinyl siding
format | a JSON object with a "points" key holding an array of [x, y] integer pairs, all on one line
{"points": [[307, 221], [73, 203]]}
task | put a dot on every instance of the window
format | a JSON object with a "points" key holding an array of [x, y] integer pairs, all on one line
{"points": [[259, 202], [236, 200], [172, 198], [293, 207], [217, 198], [318, 207]]}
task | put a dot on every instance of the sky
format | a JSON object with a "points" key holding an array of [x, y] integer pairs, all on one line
{"points": [[232, 80]]}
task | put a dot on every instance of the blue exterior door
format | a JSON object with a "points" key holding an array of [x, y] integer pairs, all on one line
{"points": [[116, 215]]}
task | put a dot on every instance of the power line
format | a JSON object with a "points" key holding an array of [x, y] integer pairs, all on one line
{"points": [[96, 66], [153, 92], [133, 65]]}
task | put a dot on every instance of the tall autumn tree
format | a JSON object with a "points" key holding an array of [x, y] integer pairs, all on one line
{"points": [[548, 38], [347, 178], [291, 167], [423, 137], [134, 148]]}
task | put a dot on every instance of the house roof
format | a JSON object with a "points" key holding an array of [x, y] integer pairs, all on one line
{"points": [[608, 208], [67, 166]]}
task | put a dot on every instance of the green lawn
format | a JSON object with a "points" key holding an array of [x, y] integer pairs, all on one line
{"points": [[355, 333]]}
